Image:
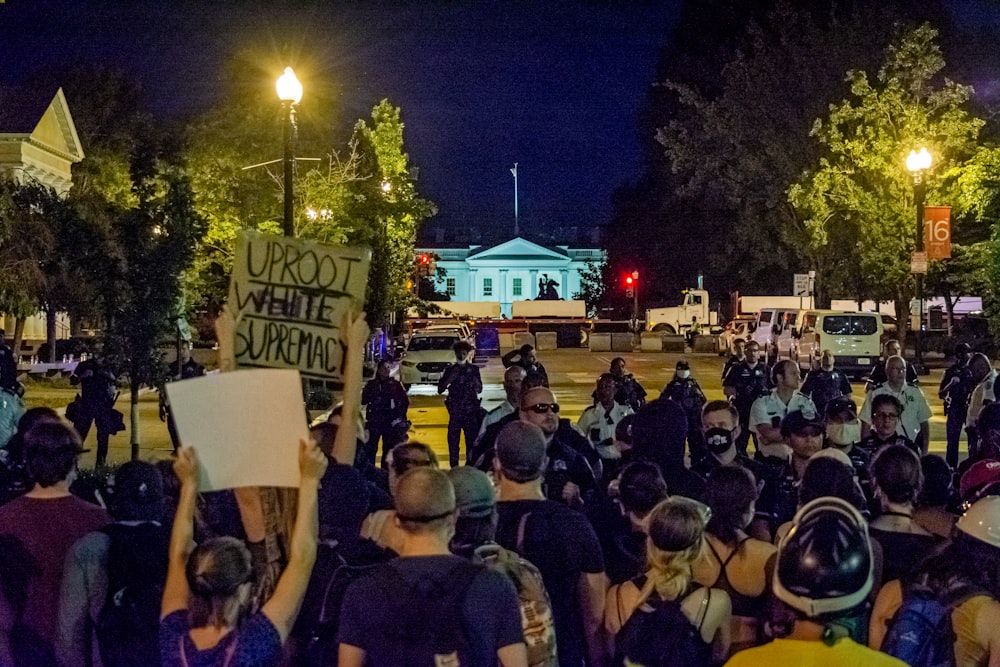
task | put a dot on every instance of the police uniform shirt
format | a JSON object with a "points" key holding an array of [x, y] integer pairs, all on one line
{"points": [[916, 409], [598, 425], [496, 414], [769, 406]]}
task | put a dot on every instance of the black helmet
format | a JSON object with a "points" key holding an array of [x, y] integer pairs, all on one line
{"points": [[825, 561]]}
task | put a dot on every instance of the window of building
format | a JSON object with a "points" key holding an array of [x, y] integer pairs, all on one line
{"points": [[517, 287], [487, 287], [450, 286]]}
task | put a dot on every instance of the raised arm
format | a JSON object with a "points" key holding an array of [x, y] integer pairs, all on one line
{"points": [[175, 591], [592, 590], [283, 606], [345, 445]]}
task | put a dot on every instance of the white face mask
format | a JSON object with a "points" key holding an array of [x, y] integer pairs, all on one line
{"points": [[843, 435], [683, 374]]}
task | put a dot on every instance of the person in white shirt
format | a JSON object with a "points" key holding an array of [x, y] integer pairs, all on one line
{"points": [[914, 422], [597, 423], [769, 410]]}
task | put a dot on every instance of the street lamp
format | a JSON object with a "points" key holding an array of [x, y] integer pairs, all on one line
{"points": [[918, 163], [290, 93]]}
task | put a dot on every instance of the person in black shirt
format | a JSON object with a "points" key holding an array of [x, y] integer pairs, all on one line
{"points": [[745, 383], [385, 403], [462, 382], [97, 399], [524, 357], [628, 391], [886, 413], [826, 383], [8, 368], [956, 387]]}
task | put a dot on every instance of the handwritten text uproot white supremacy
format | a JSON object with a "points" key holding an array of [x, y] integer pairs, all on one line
{"points": [[290, 297]]}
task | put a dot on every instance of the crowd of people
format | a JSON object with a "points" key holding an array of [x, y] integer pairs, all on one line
{"points": [[782, 525]]}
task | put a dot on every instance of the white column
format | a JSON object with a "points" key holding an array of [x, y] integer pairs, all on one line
{"points": [[564, 283], [473, 290], [532, 291]]}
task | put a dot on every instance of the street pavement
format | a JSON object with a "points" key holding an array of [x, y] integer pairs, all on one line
{"points": [[572, 374]]}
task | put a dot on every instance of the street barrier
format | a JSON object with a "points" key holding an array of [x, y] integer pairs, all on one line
{"points": [[524, 338], [674, 343], [650, 341], [546, 340], [600, 342], [622, 342]]}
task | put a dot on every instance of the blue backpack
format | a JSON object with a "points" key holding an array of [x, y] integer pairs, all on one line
{"points": [[920, 633]]}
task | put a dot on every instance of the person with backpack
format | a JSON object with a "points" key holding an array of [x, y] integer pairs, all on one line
{"points": [[475, 530], [823, 573], [430, 607], [558, 540], [947, 612], [663, 617], [463, 383], [113, 580], [201, 616]]}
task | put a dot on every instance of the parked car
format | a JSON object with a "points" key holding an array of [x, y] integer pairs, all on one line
{"points": [[854, 339], [426, 356], [734, 329]]}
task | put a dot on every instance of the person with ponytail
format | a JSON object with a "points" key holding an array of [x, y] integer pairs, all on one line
{"points": [[675, 531], [207, 592]]}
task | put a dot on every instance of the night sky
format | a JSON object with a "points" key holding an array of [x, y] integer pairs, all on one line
{"points": [[553, 86]]}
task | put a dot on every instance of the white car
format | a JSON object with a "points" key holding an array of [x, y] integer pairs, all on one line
{"points": [[426, 356], [460, 328], [735, 329]]}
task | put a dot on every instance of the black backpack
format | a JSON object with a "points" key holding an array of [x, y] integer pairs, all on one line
{"points": [[425, 625], [319, 618], [128, 624], [661, 637]]}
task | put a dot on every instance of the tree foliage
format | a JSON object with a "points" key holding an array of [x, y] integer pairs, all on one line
{"points": [[860, 194]]}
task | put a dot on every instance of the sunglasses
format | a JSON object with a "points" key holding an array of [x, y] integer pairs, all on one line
{"points": [[543, 408]]}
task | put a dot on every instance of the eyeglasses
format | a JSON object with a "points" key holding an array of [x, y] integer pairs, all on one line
{"points": [[543, 408], [889, 416]]}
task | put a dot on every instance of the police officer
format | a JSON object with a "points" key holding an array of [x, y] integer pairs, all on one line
{"points": [[463, 383], [745, 383], [825, 382], [385, 402], [956, 388], [686, 392]]}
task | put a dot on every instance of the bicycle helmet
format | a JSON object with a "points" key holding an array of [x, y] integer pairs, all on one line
{"points": [[825, 561], [982, 521]]}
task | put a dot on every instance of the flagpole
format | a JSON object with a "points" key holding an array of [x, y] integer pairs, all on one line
{"points": [[514, 171]]}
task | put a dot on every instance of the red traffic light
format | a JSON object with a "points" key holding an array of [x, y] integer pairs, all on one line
{"points": [[424, 259], [629, 280]]}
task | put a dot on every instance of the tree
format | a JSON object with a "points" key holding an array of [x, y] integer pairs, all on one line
{"points": [[860, 186], [155, 242], [593, 285], [964, 274]]}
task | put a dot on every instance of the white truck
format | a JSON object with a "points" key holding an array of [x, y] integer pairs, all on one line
{"points": [[750, 305], [678, 319]]}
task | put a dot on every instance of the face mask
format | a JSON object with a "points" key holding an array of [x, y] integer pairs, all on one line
{"points": [[683, 374], [718, 440], [844, 434]]}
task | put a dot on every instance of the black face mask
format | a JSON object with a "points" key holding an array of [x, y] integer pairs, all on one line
{"points": [[718, 440]]}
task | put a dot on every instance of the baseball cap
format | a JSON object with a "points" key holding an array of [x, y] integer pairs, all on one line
{"points": [[981, 479], [796, 422], [520, 449], [683, 365], [474, 495], [840, 404]]}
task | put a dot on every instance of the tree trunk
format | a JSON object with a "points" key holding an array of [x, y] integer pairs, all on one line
{"points": [[134, 417], [18, 337], [50, 332]]}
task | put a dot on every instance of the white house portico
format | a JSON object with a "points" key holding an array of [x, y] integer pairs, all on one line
{"points": [[514, 270]]}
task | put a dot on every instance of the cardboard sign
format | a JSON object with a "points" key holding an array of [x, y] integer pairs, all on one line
{"points": [[245, 426], [289, 297]]}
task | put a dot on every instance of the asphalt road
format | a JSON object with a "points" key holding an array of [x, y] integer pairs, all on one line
{"points": [[572, 373]]}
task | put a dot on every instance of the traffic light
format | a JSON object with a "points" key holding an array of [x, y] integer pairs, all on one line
{"points": [[629, 280]]}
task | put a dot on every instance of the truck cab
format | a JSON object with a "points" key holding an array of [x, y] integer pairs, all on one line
{"points": [[678, 319]]}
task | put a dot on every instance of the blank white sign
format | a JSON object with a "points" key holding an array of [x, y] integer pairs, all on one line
{"points": [[245, 426]]}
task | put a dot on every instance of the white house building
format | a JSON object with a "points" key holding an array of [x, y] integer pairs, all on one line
{"points": [[514, 270]]}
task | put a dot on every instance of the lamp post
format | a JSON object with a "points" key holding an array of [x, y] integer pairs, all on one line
{"points": [[290, 93], [918, 163]]}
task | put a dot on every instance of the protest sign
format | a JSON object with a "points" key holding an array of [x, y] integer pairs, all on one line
{"points": [[289, 297], [245, 426]]}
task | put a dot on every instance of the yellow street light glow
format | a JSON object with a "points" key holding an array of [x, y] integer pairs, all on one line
{"points": [[386, 186], [289, 88], [918, 161]]}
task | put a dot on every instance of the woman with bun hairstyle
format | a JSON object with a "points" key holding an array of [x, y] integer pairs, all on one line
{"points": [[206, 592], [675, 540]]}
